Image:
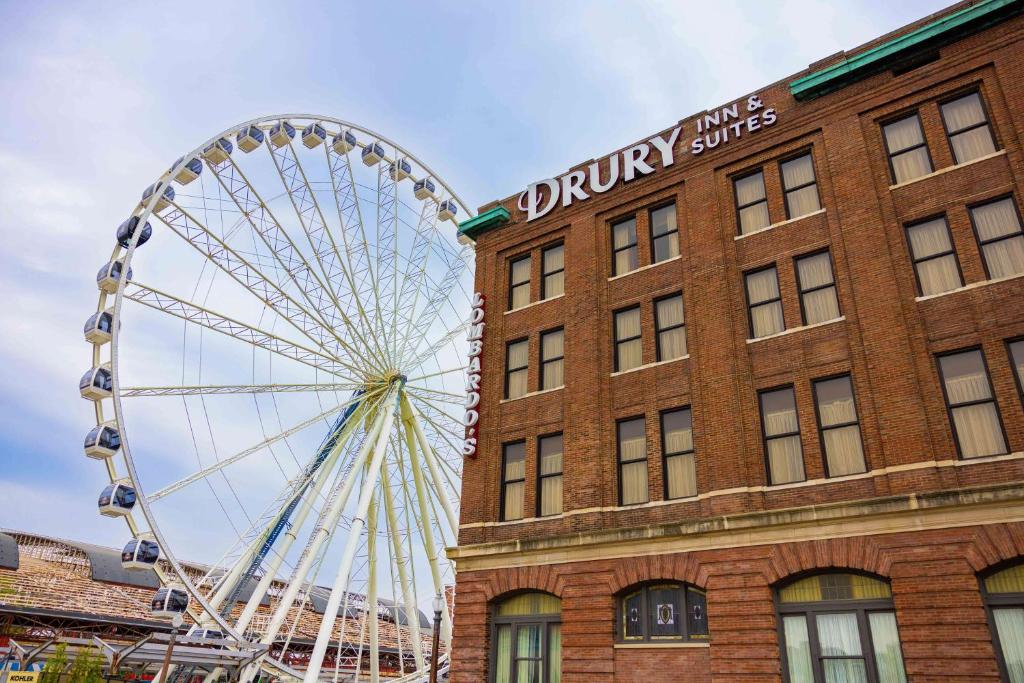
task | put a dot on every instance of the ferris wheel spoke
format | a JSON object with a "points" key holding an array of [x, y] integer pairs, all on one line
{"points": [[414, 276], [204, 317], [245, 273], [262, 220], [256, 448], [439, 373], [307, 209], [222, 389], [353, 234], [435, 303]]}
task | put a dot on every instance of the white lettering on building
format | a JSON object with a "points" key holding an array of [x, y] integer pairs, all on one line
{"points": [[475, 336]]}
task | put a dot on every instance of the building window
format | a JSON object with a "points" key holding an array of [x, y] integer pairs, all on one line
{"points": [[628, 345], [513, 480], [781, 431], [624, 250], [997, 226], [751, 203], [839, 627], [632, 446], [670, 323], [519, 283], [1003, 592], [517, 355], [764, 302], [818, 300], [549, 475], [935, 263], [1016, 351], [526, 639], [677, 452], [553, 265], [664, 234], [552, 359], [799, 186], [977, 427], [967, 127], [908, 150], [839, 426], [663, 611]]}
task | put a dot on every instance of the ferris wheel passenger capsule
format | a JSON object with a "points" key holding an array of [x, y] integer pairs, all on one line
{"points": [[189, 171], [165, 199], [424, 189], [126, 231], [116, 500], [96, 384], [103, 441], [110, 274], [447, 210], [140, 553], [218, 151], [344, 142], [373, 153], [99, 327], [313, 135], [281, 134], [249, 138], [400, 170], [169, 601]]}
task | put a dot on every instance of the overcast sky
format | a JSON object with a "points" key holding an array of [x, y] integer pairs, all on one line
{"points": [[99, 98]]}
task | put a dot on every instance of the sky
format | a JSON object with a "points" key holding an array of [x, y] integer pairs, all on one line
{"points": [[99, 98]]}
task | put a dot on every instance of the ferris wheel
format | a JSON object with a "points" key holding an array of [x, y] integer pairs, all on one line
{"points": [[277, 375]]}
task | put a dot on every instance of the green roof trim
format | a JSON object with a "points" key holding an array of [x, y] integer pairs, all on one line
{"points": [[488, 220], [940, 32]]}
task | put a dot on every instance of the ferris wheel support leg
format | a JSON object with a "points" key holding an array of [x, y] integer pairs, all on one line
{"points": [[428, 533], [435, 479], [324, 529], [371, 591], [386, 420], [411, 612]]}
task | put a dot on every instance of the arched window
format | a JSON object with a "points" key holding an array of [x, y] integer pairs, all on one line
{"points": [[526, 639], [1003, 591], [839, 627], [662, 611]]}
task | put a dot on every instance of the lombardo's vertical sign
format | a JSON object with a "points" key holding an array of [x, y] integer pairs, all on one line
{"points": [[476, 347]]}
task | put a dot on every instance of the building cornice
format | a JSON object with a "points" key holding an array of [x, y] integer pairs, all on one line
{"points": [[891, 514]]}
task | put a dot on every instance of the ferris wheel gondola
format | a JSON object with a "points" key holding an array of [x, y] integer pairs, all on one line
{"points": [[301, 333]]}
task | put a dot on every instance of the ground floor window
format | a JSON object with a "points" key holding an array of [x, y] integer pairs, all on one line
{"points": [[839, 628], [526, 639], [1004, 597], [663, 611]]}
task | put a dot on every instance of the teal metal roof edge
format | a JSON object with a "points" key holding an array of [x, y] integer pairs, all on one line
{"points": [[488, 220], [941, 31]]}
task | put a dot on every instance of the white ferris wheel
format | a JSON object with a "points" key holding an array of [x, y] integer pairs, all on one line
{"points": [[277, 357]]}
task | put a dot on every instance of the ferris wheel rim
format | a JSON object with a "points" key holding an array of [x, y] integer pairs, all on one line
{"points": [[126, 257]]}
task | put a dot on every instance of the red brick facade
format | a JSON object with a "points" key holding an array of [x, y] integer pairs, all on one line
{"points": [[886, 340]]}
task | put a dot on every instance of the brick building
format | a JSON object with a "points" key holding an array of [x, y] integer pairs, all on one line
{"points": [[750, 391]]}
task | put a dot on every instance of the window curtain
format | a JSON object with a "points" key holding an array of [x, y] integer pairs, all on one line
{"points": [[843, 448], [1017, 359], [672, 343], [750, 189], [518, 357], [682, 476], [901, 135], [627, 324], [551, 486], [633, 447], [520, 283], [838, 636], [514, 494], [821, 304], [753, 216], [1004, 257], [678, 431], [805, 200], [625, 234], [551, 495], [528, 653], [798, 649], [938, 274], [554, 283], [1010, 626], [554, 653], [515, 468], [977, 426], [785, 455], [503, 655], [634, 482], [554, 259], [766, 318], [886, 644], [552, 346], [962, 113]]}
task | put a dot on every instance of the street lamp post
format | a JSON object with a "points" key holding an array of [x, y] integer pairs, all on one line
{"points": [[164, 672], [438, 606]]}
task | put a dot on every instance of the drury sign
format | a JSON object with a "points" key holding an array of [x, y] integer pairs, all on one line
{"points": [[712, 130]]}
